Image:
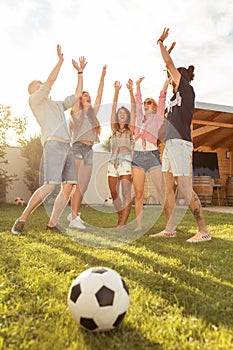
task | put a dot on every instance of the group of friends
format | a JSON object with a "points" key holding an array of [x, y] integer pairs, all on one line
{"points": [[68, 153]]}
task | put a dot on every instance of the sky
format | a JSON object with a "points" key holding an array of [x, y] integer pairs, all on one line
{"points": [[121, 34]]}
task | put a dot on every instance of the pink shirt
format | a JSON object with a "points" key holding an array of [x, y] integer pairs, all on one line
{"points": [[148, 130]]}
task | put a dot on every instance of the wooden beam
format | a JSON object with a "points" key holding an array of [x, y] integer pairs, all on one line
{"points": [[203, 130], [222, 140], [206, 122]]}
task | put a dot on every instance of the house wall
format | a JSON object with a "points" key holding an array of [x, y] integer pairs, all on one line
{"points": [[16, 165], [98, 189]]}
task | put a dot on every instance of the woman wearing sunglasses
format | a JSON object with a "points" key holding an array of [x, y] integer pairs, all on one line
{"points": [[146, 153]]}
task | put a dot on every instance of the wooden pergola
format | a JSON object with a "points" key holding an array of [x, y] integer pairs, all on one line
{"points": [[212, 126]]}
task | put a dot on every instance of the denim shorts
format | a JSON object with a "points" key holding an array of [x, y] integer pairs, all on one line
{"points": [[82, 151], [177, 157], [120, 165], [59, 164], [146, 160]]}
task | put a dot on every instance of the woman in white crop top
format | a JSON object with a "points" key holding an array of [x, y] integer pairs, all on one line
{"points": [[119, 165], [84, 130]]}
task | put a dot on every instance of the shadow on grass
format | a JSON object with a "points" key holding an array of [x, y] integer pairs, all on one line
{"points": [[197, 278], [201, 283]]}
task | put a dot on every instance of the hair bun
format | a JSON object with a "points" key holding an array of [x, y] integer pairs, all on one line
{"points": [[191, 69]]}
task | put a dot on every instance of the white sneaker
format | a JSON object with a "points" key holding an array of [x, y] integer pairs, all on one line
{"points": [[76, 223], [69, 218]]}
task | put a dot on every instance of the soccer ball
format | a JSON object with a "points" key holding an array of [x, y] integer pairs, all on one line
{"points": [[19, 201], [98, 299], [108, 202]]}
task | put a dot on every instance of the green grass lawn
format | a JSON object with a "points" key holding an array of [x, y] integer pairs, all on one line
{"points": [[181, 294]]}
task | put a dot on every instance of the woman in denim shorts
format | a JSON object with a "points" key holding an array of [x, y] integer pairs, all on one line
{"points": [[85, 130], [146, 153], [119, 165]]}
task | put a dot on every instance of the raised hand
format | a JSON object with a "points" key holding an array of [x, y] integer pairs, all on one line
{"points": [[82, 64], [171, 47], [104, 69], [164, 34], [138, 82], [129, 85], [117, 85], [59, 53]]}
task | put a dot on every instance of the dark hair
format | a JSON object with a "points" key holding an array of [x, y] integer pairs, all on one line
{"points": [[128, 117], [187, 73]]}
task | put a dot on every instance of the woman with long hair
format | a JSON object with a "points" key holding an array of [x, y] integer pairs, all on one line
{"points": [[146, 152], [85, 130], [119, 166]]}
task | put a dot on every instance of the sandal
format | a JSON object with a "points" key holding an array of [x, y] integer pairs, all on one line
{"points": [[200, 237], [164, 233]]}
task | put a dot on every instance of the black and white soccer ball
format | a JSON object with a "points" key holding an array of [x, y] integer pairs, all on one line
{"points": [[19, 201], [98, 299], [108, 202]]}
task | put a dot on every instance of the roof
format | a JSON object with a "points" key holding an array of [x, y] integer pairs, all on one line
{"points": [[212, 126]]}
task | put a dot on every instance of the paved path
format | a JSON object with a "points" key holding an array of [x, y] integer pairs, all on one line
{"points": [[228, 210]]}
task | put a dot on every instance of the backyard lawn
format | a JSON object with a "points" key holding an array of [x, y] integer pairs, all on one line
{"points": [[181, 294]]}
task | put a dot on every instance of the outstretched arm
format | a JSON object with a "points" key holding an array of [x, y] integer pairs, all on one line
{"points": [[54, 74], [162, 99], [100, 90], [79, 68], [79, 88], [139, 111], [167, 58], [133, 105], [117, 87]]}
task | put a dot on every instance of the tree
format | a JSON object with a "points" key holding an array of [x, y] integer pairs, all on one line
{"points": [[10, 127], [32, 150], [106, 145]]}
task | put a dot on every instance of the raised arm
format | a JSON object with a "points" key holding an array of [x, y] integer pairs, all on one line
{"points": [[117, 87], [54, 74], [100, 90], [139, 110], [133, 105], [79, 88], [80, 68], [162, 99], [167, 58]]}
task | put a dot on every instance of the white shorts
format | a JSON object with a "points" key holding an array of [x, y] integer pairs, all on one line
{"points": [[120, 166], [177, 157]]}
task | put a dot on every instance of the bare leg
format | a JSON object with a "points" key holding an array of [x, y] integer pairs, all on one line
{"points": [[158, 182], [60, 203], [138, 183], [36, 199], [114, 184], [185, 185], [169, 205], [83, 174], [126, 185], [170, 202]]}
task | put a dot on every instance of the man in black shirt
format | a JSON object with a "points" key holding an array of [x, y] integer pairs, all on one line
{"points": [[176, 160]]}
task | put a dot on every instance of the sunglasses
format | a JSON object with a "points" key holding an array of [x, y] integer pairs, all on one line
{"points": [[147, 102]]}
